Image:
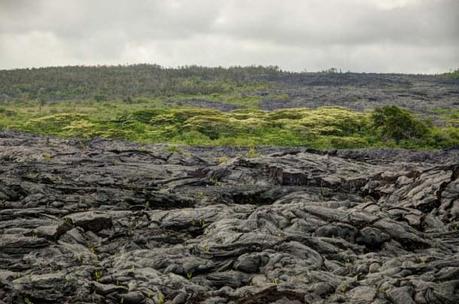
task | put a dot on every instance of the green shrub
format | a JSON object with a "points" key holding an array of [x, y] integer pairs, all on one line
{"points": [[394, 123], [454, 74], [444, 138]]}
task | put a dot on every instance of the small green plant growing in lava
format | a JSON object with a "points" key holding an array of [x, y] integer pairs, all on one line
{"points": [[97, 275]]}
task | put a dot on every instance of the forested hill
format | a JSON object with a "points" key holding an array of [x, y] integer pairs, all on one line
{"points": [[109, 82], [297, 89]]}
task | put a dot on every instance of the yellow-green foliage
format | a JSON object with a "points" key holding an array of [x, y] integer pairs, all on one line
{"points": [[69, 123], [449, 116], [321, 121], [150, 121]]}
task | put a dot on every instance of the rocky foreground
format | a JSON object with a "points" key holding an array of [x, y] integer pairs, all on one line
{"points": [[113, 222]]}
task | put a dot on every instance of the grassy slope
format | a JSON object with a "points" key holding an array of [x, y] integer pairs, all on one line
{"points": [[150, 121]]}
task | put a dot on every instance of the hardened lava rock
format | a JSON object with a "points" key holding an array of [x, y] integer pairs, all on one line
{"points": [[115, 222]]}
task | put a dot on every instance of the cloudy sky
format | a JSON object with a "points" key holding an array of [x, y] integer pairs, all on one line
{"points": [[420, 36]]}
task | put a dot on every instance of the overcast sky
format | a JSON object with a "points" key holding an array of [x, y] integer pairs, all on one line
{"points": [[416, 36]]}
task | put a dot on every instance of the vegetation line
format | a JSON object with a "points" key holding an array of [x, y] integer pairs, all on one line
{"points": [[148, 121]]}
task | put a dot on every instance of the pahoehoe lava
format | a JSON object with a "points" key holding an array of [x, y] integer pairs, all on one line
{"points": [[116, 222]]}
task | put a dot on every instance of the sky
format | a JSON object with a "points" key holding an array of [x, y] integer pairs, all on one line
{"points": [[406, 36]]}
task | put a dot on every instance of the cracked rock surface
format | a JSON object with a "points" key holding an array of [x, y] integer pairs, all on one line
{"points": [[114, 222]]}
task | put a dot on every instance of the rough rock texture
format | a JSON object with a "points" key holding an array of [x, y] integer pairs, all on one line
{"points": [[113, 222], [361, 91]]}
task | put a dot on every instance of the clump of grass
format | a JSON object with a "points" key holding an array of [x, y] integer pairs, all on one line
{"points": [[252, 153], [97, 275]]}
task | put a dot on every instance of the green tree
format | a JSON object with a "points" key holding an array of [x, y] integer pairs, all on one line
{"points": [[392, 122]]}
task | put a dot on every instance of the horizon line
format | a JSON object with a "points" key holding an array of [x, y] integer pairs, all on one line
{"points": [[331, 70]]}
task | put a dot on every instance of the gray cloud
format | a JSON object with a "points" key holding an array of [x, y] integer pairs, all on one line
{"points": [[359, 35]]}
